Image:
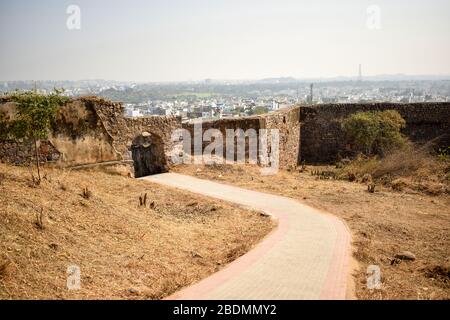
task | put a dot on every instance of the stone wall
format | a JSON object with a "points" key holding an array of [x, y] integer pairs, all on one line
{"points": [[286, 121], [322, 139], [91, 130], [20, 152], [222, 125], [313, 133]]}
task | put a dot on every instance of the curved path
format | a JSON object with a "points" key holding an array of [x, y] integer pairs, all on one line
{"points": [[306, 257]]}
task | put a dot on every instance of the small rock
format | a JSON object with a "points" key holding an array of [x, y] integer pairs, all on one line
{"points": [[406, 255], [196, 255], [139, 290], [133, 291], [198, 170]]}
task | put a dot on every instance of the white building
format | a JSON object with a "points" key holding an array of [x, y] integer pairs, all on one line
{"points": [[275, 105]]}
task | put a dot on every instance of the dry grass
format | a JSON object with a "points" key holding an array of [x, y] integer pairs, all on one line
{"points": [[411, 168], [383, 224], [125, 251]]}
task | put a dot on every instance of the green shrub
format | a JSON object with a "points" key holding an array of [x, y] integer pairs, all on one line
{"points": [[375, 132]]}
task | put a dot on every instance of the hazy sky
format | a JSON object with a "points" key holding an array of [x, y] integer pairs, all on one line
{"points": [[168, 40]]}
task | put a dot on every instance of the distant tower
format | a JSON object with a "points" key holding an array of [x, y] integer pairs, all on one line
{"points": [[311, 93], [360, 73]]}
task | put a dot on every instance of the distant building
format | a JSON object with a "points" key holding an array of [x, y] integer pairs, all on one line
{"points": [[310, 96], [134, 113], [360, 73], [275, 105]]}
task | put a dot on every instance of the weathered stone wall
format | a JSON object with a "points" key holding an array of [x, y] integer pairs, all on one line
{"points": [[80, 136], [19, 152], [322, 139], [91, 130], [286, 121], [124, 130], [313, 133], [222, 125]]}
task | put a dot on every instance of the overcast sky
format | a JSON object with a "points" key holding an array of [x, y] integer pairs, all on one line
{"points": [[173, 40]]}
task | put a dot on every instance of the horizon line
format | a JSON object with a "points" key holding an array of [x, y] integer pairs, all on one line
{"points": [[300, 79]]}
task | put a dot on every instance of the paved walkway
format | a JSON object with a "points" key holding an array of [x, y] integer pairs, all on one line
{"points": [[306, 257]]}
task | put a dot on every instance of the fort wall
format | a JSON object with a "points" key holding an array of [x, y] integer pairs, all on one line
{"points": [[322, 139], [92, 130]]}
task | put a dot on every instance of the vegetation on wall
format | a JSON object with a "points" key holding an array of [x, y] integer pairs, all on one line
{"points": [[35, 115]]}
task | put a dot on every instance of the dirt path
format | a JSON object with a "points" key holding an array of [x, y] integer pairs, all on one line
{"points": [[306, 257]]}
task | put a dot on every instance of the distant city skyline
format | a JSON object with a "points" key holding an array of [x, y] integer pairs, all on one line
{"points": [[174, 40]]}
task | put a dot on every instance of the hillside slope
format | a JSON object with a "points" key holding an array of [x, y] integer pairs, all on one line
{"points": [[123, 250]]}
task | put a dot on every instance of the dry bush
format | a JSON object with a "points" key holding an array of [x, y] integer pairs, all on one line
{"points": [[439, 272], [39, 223], [87, 194], [371, 188], [404, 162], [360, 167], [399, 184], [410, 167], [143, 200]]}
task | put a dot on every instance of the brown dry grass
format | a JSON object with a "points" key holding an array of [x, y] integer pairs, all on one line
{"points": [[411, 167], [125, 251], [383, 224]]}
